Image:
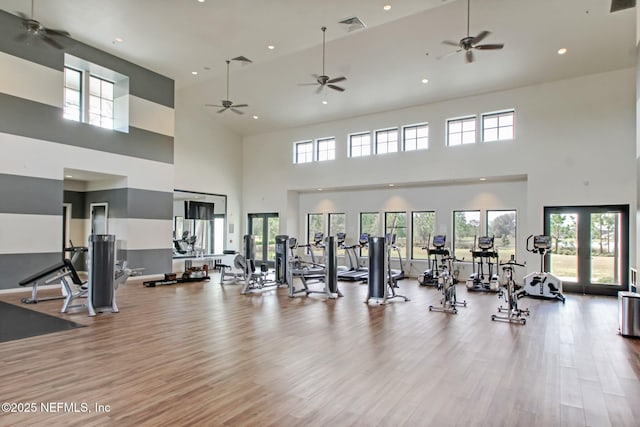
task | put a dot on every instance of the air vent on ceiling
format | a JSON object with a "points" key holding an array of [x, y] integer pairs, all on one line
{"points": [[354, 23], [617, 5], [242, 59]]}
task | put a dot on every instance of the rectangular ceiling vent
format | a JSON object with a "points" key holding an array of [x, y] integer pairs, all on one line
{"points": [[354, 23], [617, 5]]}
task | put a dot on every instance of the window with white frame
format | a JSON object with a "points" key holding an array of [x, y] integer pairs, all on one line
{"points": [[95, 95], [386, 141], [303, 152], [461, 131], [72, 94], [360, 144], [326, 149], [415, 137], [100, 102], [497, 126]]}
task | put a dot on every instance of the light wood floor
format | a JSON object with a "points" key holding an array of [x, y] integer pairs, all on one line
{"points": [[200, 354]]}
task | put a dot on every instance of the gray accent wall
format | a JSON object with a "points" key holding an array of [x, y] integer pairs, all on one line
{"points": [[16, 267], [30, 195], [143, 83], [123, 203], [154, 261], [41, 121]]}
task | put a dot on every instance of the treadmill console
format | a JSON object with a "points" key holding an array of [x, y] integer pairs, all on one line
{"points": [[340, 238], [541, 242], [485, 243], [364, 239], [390, 238], [439, 241], [318, 237]]}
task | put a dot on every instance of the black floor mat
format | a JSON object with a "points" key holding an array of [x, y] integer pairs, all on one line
{"points": [[17, 322]]}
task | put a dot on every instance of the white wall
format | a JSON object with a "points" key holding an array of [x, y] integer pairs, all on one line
{"points": [[208, 158], [575, 144]]}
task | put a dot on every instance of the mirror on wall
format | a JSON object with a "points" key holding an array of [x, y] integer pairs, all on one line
{"points": [[199, 223]]}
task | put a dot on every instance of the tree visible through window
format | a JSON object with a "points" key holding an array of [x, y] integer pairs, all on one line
{"points": [[396, 223], [422, 228], [502, 225], [370, 224], [466, 226]]}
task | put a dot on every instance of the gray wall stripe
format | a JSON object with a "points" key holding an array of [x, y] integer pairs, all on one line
{"points": [[154, 261], [40, 121], [143, 83], [123, 203], [29, 195], [16, 267]]}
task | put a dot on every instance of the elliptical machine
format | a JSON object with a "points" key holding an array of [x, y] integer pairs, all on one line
{"points": [[513, 313], [541, 284], [436, 257], [479, 281], [446, 283]]}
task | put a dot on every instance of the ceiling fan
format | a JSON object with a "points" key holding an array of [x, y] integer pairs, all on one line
{"points": [[324, 80], [226, 104], [36, 29], [468, 43]]}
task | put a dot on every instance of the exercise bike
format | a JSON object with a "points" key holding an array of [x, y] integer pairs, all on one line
{"points": [[508, 292], [541, 284], [483, 255], [436, 255], [446, 283]]}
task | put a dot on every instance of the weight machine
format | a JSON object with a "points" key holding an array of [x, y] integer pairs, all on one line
{"points": [[541, 284], [312, 272]]}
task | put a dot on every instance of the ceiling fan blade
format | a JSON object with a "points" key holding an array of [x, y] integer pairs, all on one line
{"points": [[338, 88], [221, 110], [469, 56], [236, 111], [308, 84], [336, 80], [213, 105], [477, 39], [450, 43], [240, 105], [51, 42], [51, 32], [489, 46]]}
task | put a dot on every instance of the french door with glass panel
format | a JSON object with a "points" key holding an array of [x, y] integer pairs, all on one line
{"points": [[589, 247], [265, 227]]}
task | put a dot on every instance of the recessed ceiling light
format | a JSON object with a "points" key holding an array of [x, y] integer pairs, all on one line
{"points": [[392, 185], [425, 81], [68, 176], [387, 7], [562, 51], [271, 47], [483, 179], [255, 117], [195, 73], [118, 40], [200, 1], [325, 102], [320, 189]]}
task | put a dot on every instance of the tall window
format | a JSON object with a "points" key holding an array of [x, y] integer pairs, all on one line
{"points": [[100, 102], [461, 131], [360, 145], [303, 152], [95, 95], [315, 224], [497, 126], [370, 224], [422, 228], [502, 225], [466, 227], [336, 223], [415, 137], [72, 94], [396, 223], [326, 149], [386, 141]]}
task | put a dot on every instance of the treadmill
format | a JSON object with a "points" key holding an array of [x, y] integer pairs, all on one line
{"points": [[355, 272]]}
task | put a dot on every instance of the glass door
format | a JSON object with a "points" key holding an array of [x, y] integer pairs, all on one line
{"points": [[590, 247], [265, 228]]}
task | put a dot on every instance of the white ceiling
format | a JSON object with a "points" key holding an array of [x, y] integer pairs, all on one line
{"points": [[384, 62]]}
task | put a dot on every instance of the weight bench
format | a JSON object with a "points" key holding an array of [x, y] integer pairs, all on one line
{"points": [[63, 272]]}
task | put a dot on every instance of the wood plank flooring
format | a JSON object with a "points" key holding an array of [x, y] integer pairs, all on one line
{"points": [[202, 354]]}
